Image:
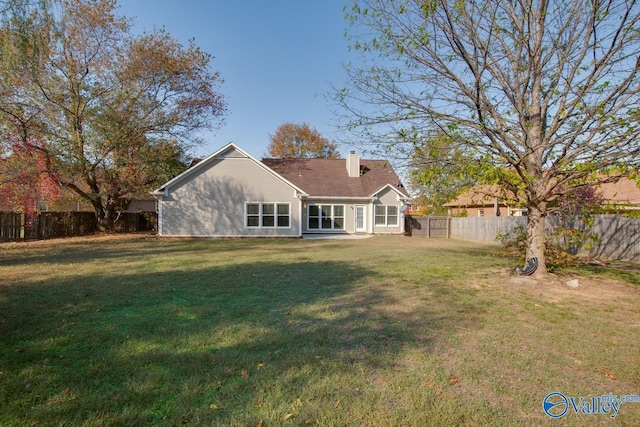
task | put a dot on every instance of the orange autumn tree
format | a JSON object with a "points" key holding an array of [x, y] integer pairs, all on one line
{"points": [[24, 179], [291, 140], [115, 111]]}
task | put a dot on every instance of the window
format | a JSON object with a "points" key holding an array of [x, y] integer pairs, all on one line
{"points": [[268, 215], [253, 215], [283, 215], [386, 215], [325, 217], [392, 215]]}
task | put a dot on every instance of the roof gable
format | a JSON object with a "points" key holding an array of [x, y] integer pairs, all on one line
{"points": [[229, 151], [395, 189]]}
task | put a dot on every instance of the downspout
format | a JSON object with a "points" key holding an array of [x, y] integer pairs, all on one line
{"points": [[159, 196], [372, 215], [300, 214]]}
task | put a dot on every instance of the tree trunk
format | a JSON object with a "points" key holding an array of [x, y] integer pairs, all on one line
{"points": [[106, 223], [536, 239], [105, 214]]}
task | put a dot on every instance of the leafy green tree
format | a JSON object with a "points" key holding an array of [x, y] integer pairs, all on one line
{"points": [[114, 111], [441, 169], [546, 91], [292, 140]]}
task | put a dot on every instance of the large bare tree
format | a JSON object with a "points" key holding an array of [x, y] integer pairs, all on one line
{"points": [[113, 112], [548, 91]]}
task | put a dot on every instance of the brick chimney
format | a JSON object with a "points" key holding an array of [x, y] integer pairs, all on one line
{"points": [[353, 165]]}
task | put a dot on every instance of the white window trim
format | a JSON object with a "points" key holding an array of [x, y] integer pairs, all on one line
{"points": [[386, 216], [261, 214], [320, 217]]}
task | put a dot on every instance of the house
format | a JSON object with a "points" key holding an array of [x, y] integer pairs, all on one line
{"points": [[621, 196], [232, 194], [483, 200]]}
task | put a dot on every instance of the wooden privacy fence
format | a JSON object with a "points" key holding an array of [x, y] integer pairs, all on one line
{"points": [[485, 229], [428, 226], [46, 225], [619, 237]]}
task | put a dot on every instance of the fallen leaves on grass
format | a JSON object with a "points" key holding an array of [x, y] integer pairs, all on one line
{"points": [[215, 407], [608, 374], [245, 374]]}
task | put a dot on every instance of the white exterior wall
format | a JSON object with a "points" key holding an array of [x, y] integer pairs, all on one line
{"points": [[211, 202], [388, 197]]}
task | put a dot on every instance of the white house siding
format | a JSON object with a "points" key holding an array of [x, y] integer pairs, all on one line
{"points": [[388, 197], [210, 202]]}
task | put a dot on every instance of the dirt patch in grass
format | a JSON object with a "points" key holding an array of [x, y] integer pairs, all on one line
{"points": [[601, 290]]}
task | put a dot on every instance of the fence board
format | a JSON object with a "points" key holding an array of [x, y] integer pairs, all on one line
{"points": [[46, 225], [428, 226], [484, 229], [619, 236]]}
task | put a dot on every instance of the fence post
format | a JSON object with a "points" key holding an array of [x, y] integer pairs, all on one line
{"points": [[448, 227]]}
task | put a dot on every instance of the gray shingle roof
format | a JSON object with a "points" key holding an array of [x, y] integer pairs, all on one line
{"points": [[329, 177]]}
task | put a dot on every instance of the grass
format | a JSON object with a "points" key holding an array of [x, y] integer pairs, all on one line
{"points": [[376, 332]]}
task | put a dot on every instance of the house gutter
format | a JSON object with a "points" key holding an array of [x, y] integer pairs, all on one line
{"points": [[345, 198]]}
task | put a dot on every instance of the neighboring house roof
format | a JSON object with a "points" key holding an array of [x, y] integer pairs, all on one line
{"points": [[623, 192], [480, 195], [329, 177], [141, 205]]}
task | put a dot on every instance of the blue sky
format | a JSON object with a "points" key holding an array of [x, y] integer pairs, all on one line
{"points": [[278, 59]]}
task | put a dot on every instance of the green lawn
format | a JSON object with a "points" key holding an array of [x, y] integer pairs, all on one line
{"points": [[377, 332]]}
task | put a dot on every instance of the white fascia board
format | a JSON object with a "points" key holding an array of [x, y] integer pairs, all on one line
{"points": [[164, 189], [399, 193], [160, 193], [345, 198]]}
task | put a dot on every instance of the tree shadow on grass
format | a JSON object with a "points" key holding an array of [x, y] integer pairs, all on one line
{"points": [[221, 345], [92, 249]]}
